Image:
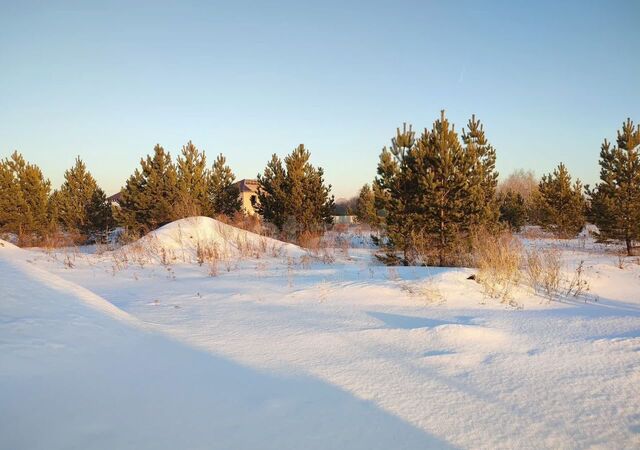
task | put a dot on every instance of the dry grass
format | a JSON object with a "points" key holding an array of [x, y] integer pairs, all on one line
{"points": [[498, 259], [543, 270]]}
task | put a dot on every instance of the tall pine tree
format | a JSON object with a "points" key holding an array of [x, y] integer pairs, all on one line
{"points": [[272, 195], [149, 195], [192, 180], [560, 205], [395, 192], [615, 201], [434, 191], [99, 216], [295, 196], [12, 204], [73, 198], [28, 195], [483, 178], [223, 197]]}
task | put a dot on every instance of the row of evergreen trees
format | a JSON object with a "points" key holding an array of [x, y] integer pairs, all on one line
{"points": [[157, 193], [433, 192], [292, 196], [161, 191]]}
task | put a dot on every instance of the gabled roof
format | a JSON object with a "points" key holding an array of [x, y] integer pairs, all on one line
{"points": [[247, 185], [115, 197]]}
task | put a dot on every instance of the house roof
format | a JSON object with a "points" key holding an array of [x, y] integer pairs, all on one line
{"points": [[115, 197], [247, 185]]}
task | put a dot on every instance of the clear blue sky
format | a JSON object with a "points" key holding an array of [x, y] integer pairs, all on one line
{"points": [[108, 80]]}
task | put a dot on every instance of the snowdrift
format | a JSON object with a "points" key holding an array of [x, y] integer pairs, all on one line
{"points": [[22, 274], [188, 240]]}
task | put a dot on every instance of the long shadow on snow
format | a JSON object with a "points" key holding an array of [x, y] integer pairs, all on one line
{"points": [[411, 322], [140, 390]]}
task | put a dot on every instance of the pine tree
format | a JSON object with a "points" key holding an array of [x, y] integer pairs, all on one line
{"points": [[223, 197], [433, 192], [73, 198], [366, 207], [395, 193], [272, 195], [513, 209], [560, 205], [446, 208], [12, 204], [483, 179], [193, 179], [32, 203], [150, 194], [295, 196], [615, 201], [99, 216]]}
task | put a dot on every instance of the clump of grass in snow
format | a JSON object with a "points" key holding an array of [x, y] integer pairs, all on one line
{"points": [[498, 259]]}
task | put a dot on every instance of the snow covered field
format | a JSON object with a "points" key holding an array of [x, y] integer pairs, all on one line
{"points": [[270, 348]]}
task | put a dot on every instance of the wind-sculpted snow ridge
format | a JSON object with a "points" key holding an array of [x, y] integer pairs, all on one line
{"points": [[13, 259], [190, 239]]}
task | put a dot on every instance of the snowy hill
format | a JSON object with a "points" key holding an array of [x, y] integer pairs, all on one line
{"points": [[183, 239]]}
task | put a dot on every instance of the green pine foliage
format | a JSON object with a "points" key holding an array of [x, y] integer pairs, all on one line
{"points": [[366, 207], [434, 191], [149, 195], [24, 199], [72, 200], [294, 196], [395, 193], [272, 196], [513, 209], [12, 204], [99, 216], [560, 205], [482, 176], [615, 200], [193, 182], [222, 197]]}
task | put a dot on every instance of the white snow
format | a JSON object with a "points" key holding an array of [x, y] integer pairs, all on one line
{"points": [[288, 352]]}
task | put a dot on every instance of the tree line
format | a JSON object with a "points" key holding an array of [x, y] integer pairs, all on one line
{"points": [[432, 194], [293, 197]]}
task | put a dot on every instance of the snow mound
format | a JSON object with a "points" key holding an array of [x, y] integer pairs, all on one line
{"points": [[187, 239], [4, 245]]}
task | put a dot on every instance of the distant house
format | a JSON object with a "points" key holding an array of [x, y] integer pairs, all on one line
{"points": [[344, 220], [114, 200], [248, 194]]}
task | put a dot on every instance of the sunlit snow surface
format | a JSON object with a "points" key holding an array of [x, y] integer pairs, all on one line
{"points": [[285, 351]]}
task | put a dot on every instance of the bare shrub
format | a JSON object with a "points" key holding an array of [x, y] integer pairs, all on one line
{"points": [[427, 291], [310, 241], [213, 268], [577, 285], [524, 182], [251, 223], [305, 261], [498, 259], [543, 270]]}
